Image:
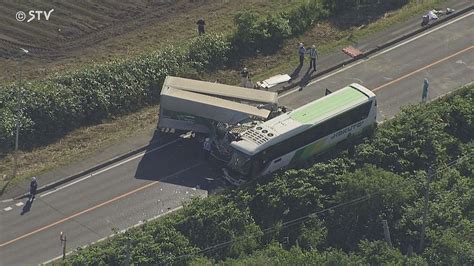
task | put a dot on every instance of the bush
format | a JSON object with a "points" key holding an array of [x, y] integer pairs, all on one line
{"points": [[152, 243], [337, 6], [245, 39], [256, 33], [302, 17], [389, 194], [52, 107], [208, 51], [211, 221], [281, 206]]}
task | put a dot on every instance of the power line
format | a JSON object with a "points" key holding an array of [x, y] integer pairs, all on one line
{"points": [[431, 174], [453, 163], [308, 216], [284, 225]]}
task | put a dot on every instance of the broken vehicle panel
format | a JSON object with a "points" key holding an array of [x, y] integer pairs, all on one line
{"points": [[197, 105]]}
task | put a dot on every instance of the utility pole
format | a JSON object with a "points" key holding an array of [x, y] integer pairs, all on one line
{"points": [[410, 251], [63, 239], [17, 107], [425, 209], [386, 232], [127, 257]]}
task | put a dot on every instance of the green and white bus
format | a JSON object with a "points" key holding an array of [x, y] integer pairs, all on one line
{"points": [[302, 133]]}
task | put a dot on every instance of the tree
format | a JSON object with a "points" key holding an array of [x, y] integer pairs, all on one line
{"points": [[380, 253], [386, 193], [215, 220]]}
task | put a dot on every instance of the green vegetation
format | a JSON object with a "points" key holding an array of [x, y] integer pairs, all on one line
{"points": [[332, 212], [50, 108], [65, 145], [266, 34], [53, 107]]}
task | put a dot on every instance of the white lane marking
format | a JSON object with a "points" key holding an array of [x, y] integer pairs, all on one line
{"points": [[378, 54], [7, 200], [19, 204], [8, 209], [179, 207], [283, 95], [110, 167]]}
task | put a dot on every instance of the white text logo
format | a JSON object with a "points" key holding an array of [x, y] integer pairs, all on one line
{"points": [[34, 15]]}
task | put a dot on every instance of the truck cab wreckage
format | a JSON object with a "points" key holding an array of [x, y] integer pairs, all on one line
{"points": [[221, 112], [251, 135]]}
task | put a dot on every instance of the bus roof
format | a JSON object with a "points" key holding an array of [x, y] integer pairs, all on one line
{"points": [[325, 107], [294, 122], [222, 90]]}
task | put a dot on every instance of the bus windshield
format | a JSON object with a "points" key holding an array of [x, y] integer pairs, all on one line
{"points": [[240, 162]]}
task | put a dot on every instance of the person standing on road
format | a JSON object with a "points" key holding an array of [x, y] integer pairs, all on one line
{"points": [[206, 147], [201, 23], [301, 52], [33, 187], [313, 53], [424, 94]]}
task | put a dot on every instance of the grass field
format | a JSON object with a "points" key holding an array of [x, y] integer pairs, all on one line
{"points": [[83, 32], [84, 141]]}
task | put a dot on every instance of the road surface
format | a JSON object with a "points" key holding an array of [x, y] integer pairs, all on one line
{"points": [[171, 171]]}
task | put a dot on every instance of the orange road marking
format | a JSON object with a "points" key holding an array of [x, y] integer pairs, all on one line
{"points": [[423, 68], [79, 213], [151, 184]]}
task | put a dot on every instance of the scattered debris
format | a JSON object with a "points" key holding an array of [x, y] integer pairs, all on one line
{"points": [[434, 15], [272, 81], [352, 52]]}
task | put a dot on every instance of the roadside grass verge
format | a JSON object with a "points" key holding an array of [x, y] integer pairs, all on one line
{"points": [[85, 141], [329, 38], [77, 145]]}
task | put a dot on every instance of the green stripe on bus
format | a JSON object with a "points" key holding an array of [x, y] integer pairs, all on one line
{"points": [[328, 105], [309, 150]]}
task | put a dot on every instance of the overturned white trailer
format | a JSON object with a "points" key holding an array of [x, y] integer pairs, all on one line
{"points": [[194, 105]]}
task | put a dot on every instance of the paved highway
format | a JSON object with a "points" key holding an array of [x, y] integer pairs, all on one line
{"points": [[170, 172], [444, 55]]}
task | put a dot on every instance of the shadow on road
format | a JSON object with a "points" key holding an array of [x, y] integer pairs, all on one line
{"points": [[296, 72], [306, 78], [27, 206], [180, 163]]}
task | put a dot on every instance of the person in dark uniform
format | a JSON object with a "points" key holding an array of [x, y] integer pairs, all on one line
{"points": [[244, 77], [201, 23], [301, 53], [33, 187], [313, 54]]}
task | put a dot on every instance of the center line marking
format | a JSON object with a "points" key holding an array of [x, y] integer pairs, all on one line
{"points": [[110, 167], [377, 54], [423, 68], [96, 206], [154, 182]]}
